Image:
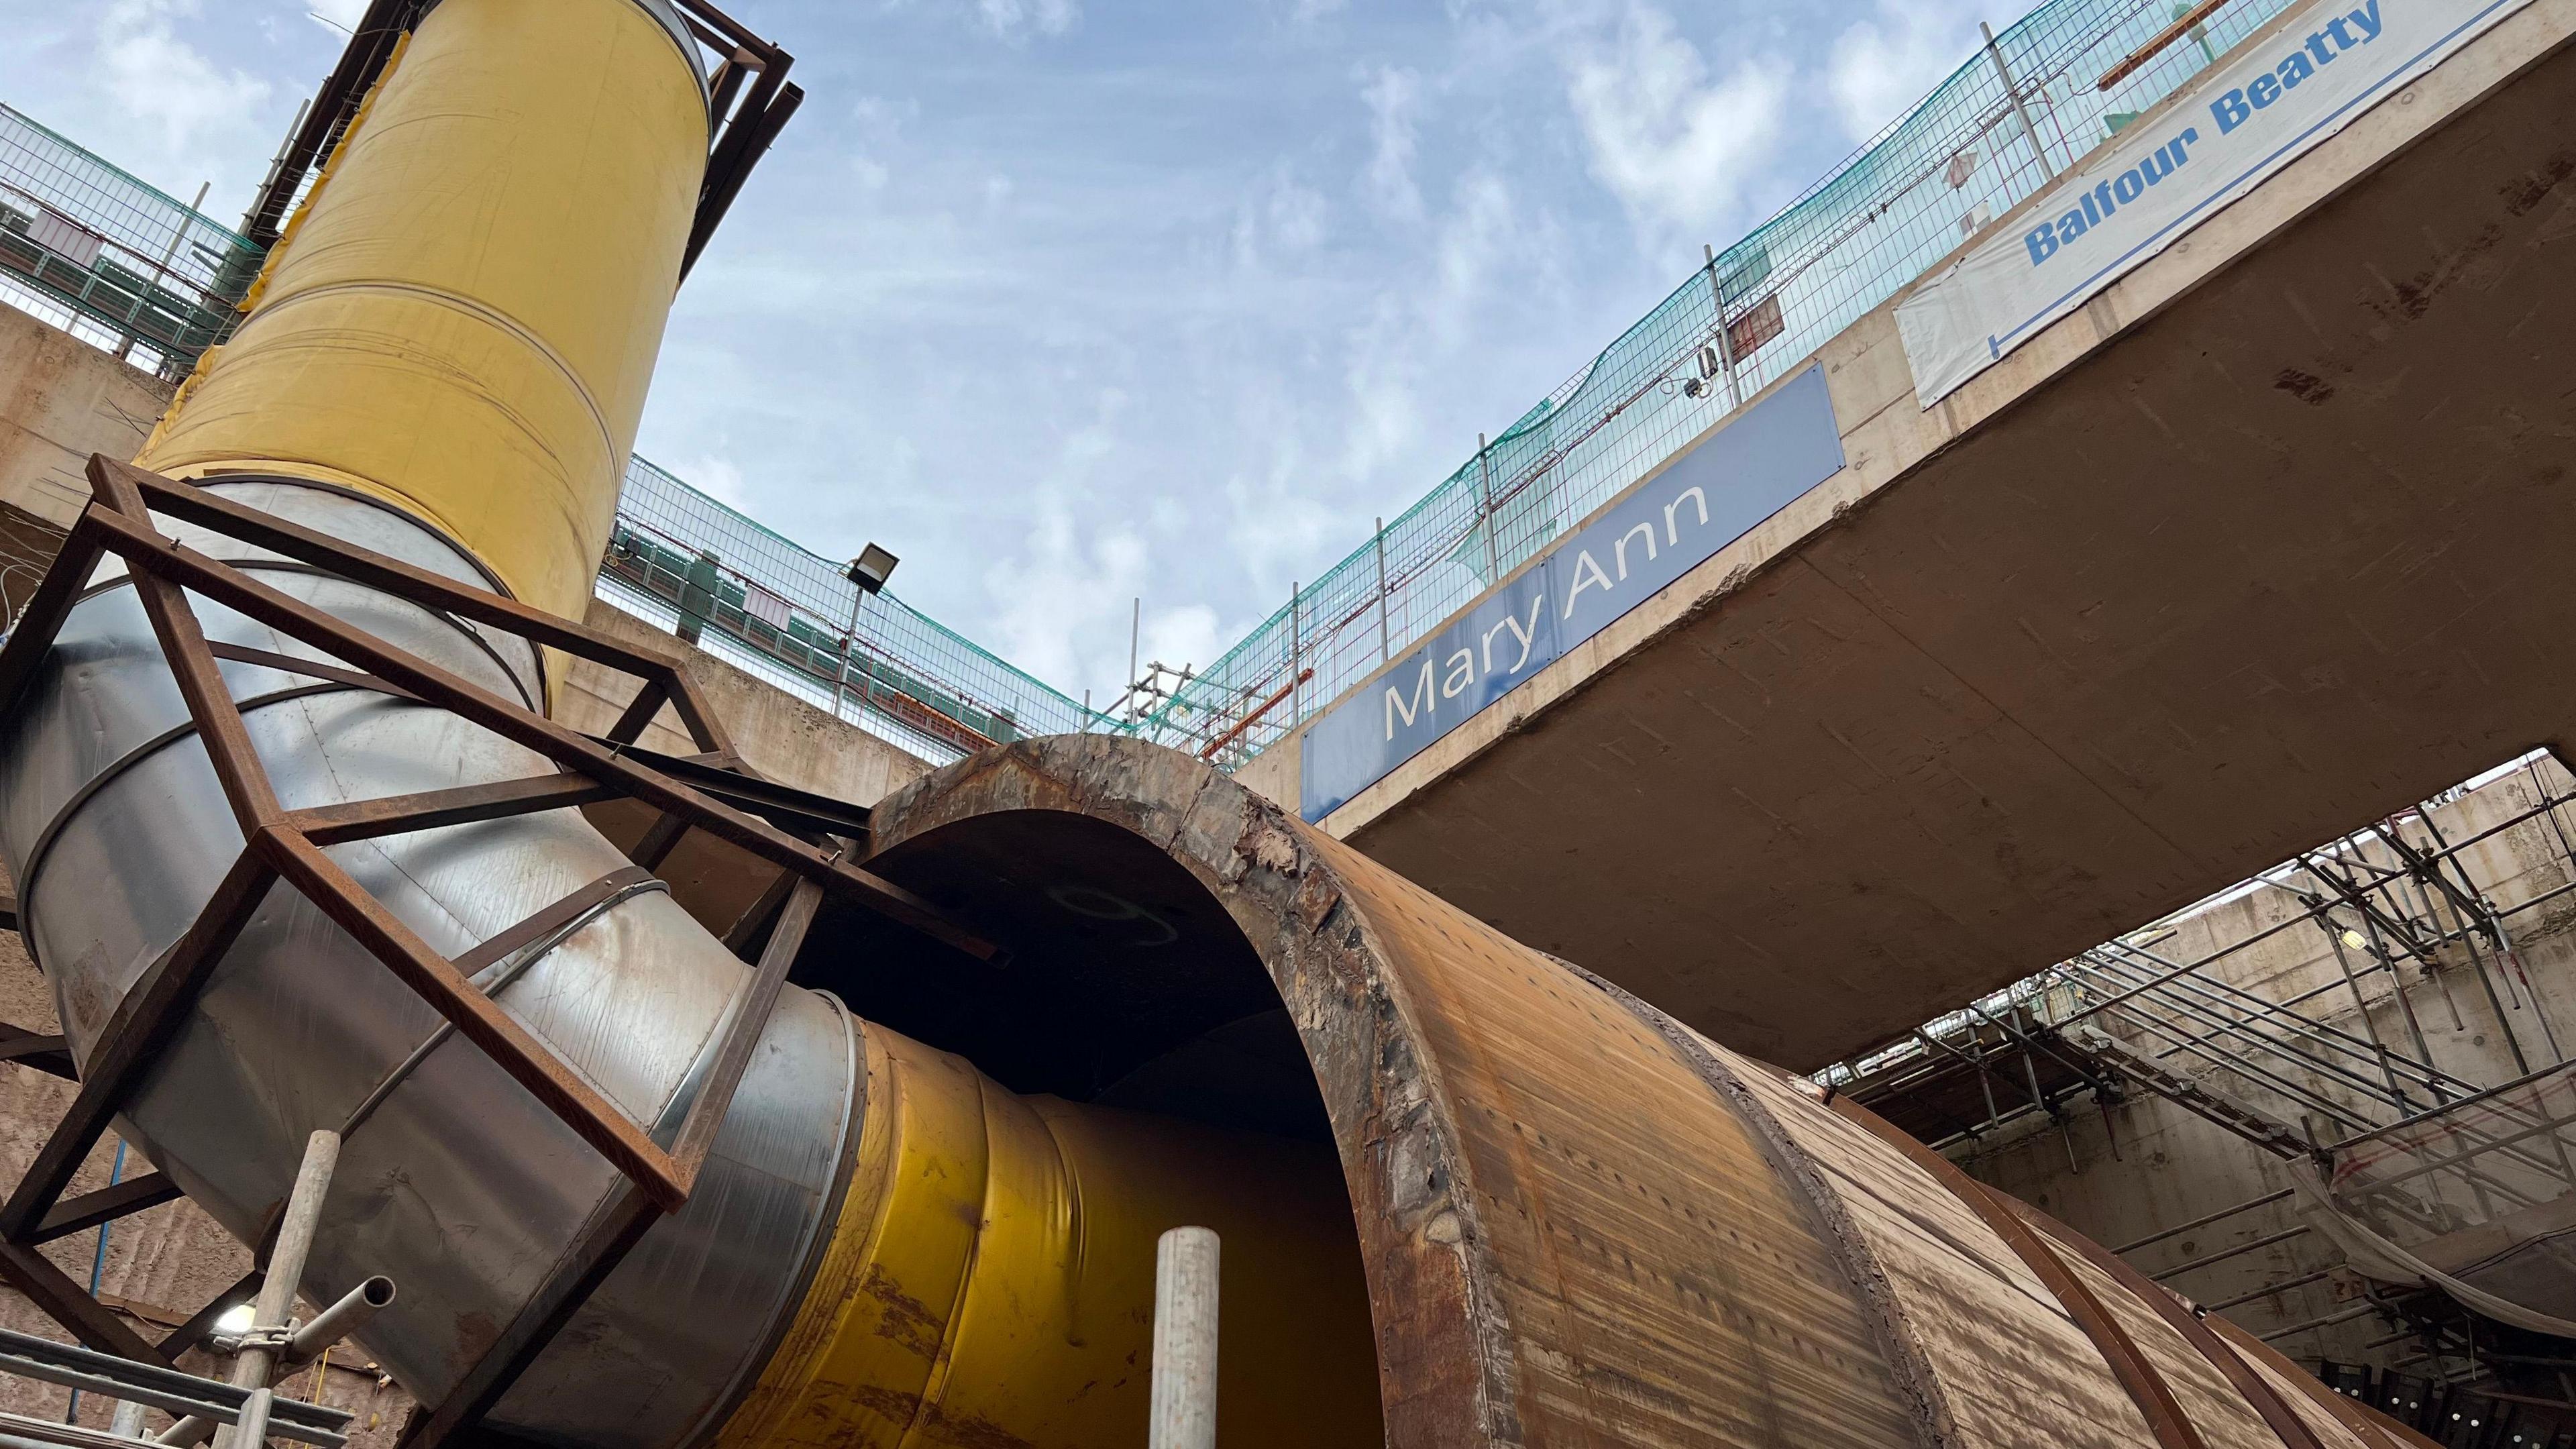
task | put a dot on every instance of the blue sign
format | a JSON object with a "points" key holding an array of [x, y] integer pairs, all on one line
{"points": [[1672, 523]]}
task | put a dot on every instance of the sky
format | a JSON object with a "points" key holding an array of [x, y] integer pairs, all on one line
{"points": [[1070, 302]]}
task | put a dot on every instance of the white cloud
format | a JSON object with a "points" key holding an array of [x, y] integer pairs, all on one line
{"points": [[1678, 148], [1096, 541], [1068, 587], [1281, 219], [1065, 604], [882, 118], [1886, 63], [166, 84], [1061, 598], [1479, 233], [1188, 636], [717, 477], [1423, 331], [1281, 524], [879, 124], [1298, 215], [1015, 19], [1393, 96]]}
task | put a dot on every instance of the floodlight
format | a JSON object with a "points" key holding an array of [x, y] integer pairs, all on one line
{"points": [[871, 568]]}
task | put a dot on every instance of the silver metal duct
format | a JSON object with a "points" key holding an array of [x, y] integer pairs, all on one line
{"points": [[453, 1181]]}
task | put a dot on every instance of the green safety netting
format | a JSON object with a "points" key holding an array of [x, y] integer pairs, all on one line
{"points": [[762, 600], [105, 256], [1899, 204]]}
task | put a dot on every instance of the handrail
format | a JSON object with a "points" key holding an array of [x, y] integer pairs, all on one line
{"points": [[2165, 37]]}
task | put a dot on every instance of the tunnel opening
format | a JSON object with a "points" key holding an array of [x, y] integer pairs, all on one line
{"points": [[1131, 1014], [1126, 982], [1127, 985]]}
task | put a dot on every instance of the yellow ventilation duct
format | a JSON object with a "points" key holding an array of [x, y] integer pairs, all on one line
{"points": [[461, 322], [463, 318], [991, 1276]]}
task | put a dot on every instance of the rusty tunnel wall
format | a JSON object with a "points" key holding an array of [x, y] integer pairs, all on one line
{"points": [[1584, 1224]]}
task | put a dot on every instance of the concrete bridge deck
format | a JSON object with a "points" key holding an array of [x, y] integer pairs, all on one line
{"points": [[2270, 538]]}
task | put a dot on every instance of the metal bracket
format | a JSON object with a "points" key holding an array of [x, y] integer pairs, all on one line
{"points": [[274, 1338]]}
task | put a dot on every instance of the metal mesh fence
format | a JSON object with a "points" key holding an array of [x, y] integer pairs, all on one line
{"points": [[102, 255], [727, 583], [1997, 130]]}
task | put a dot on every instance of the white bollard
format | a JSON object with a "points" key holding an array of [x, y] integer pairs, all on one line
{"points": [[1185, 1303]]}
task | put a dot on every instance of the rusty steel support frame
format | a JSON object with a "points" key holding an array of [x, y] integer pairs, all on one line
{"points": [[2049, 1249], [2186, 1321], [743, 131], [2136, 1373], [285, 847]]}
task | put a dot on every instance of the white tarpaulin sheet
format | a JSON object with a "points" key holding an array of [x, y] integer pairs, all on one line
{"points": [[2242, 122], [65, 238]]}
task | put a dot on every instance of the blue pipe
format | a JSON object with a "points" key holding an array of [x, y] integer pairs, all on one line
{"points": [[98, 1261]]}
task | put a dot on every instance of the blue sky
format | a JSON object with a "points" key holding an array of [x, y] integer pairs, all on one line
{"points": [[1068, 301]]}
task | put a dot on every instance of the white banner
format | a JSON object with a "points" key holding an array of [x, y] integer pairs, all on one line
{"points": [[2243, 122]]}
